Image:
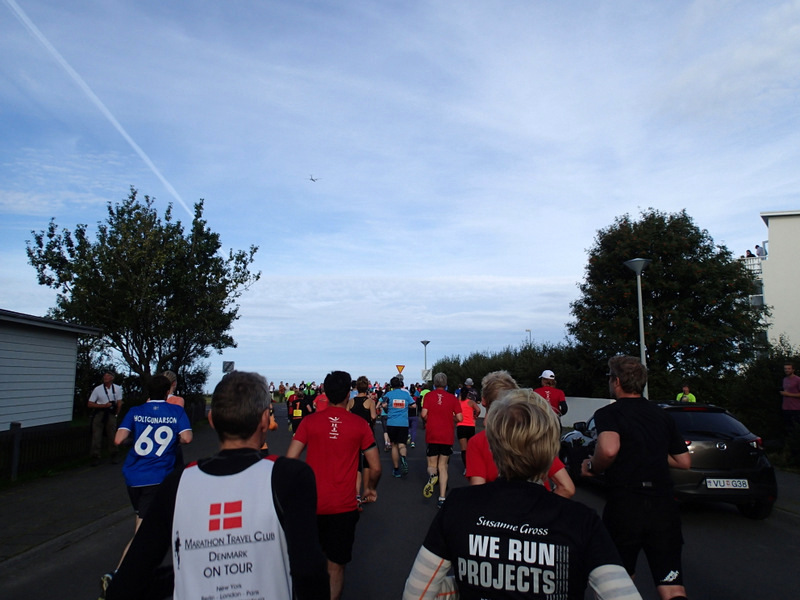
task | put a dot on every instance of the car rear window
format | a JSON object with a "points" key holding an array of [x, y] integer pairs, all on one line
{"points": [[697, 421]]}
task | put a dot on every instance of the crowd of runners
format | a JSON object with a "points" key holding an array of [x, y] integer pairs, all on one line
{"points": [[244, 523]]}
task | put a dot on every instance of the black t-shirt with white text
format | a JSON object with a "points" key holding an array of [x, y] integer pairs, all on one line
{"points": [[514, 539]]}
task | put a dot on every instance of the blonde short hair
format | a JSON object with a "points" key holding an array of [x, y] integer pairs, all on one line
{"points": [[495, 383], [523, 434]]}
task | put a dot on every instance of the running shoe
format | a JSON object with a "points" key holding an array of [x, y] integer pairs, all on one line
{"points": [[396, 473], [440, 502], [427, 491], [413, 445], [105, 581], [404, 465]]}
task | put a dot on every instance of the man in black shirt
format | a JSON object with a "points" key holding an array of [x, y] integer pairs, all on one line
{"points": [[637, 443]]}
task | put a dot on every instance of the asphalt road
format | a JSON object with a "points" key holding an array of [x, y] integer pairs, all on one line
{"points": [[726, 556]]}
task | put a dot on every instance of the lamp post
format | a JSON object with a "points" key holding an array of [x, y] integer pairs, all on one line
{"points": [[425, 344], [637, 265], [529, 337]]}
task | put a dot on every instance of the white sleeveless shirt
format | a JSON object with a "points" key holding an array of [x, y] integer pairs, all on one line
{"points": [[227, 542]]}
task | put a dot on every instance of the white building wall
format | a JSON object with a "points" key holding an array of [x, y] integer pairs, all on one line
{"points": [[781, 274], [37, 375]]}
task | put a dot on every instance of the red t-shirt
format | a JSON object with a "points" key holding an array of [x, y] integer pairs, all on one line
{"points": [[481, 461], [333, 440], [553, 395], [441, 406], [320, 403]]}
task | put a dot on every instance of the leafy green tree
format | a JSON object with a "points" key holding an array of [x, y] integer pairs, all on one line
{"points": [[164, 298], [699, 321]]}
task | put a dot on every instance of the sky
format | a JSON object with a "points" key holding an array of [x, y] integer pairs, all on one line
{"points": [[465, 153]]}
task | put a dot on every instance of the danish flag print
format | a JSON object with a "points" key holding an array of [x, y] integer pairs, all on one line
{"points": [[227, 515]]}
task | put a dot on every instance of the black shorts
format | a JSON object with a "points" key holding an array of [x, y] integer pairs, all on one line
{"points": [[650, 523], [337, 534], [397, 434], [439, 450], [141, 498], [465, 431]]}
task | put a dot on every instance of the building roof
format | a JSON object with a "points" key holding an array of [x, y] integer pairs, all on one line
{"points": [[23, 319], [766, 216]]}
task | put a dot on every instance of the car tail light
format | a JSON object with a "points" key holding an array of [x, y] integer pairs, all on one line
{"points": [[757, 443]]}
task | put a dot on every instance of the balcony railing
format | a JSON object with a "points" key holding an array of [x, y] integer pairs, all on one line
{"points": [[753, 264]]}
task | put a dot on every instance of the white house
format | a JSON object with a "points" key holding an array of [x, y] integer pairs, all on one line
{"points": [[37, 369], [780, 275]]}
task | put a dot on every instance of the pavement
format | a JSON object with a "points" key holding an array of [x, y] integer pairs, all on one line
{"points": [[45, 515]]}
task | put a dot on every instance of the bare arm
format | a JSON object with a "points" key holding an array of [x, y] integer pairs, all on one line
{"points": [[604, 453], [121, 436], [564, 484], [374, 462], [680, 461], [295, 449], [186, 436]]}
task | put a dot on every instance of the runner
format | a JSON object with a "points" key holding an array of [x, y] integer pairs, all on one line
{"points": [[482, 468], [397, 402], [263, 508], [334, 439], [440, 413], [363, 405], [466, 429]]}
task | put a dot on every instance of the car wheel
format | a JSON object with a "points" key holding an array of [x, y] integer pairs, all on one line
{"points": [[758, 509]]}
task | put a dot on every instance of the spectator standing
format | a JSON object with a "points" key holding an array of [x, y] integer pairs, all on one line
{"points": [[237, 491], [791, 398], [104, 404], [760, 252], [334, 440], [685, 395], [440, 413], [637, 443]]}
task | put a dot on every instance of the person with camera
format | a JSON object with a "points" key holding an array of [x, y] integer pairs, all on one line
{"points": [[104, 406]]}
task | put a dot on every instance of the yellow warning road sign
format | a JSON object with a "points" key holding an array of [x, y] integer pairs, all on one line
{"points": [[400, 368]]}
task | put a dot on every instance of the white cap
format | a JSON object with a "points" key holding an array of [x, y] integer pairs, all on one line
{"points": [[547, 374]]}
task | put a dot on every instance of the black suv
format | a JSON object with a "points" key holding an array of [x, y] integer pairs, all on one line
{"points": [[728, 462]]}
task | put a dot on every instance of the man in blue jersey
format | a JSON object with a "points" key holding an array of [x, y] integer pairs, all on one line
{"points": [[397, 402], [156, 428]]}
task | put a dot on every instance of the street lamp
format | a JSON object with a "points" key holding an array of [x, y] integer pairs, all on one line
{"points": [[425, 344], [529, 337], [637, 265]]}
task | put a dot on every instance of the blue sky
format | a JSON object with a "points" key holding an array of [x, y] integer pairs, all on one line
{"points": [[467, 152]]}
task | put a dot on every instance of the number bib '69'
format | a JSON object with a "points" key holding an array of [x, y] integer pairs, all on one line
{"points": [[155, 427]]}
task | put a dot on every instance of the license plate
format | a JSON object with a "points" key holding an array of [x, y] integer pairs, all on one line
{"points": [[727, 484]]}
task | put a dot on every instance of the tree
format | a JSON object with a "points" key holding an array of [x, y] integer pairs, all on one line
{"points": [[163, 299], [698, 315]]}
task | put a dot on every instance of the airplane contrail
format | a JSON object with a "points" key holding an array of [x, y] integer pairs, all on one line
{"points": [[20, 14]]}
